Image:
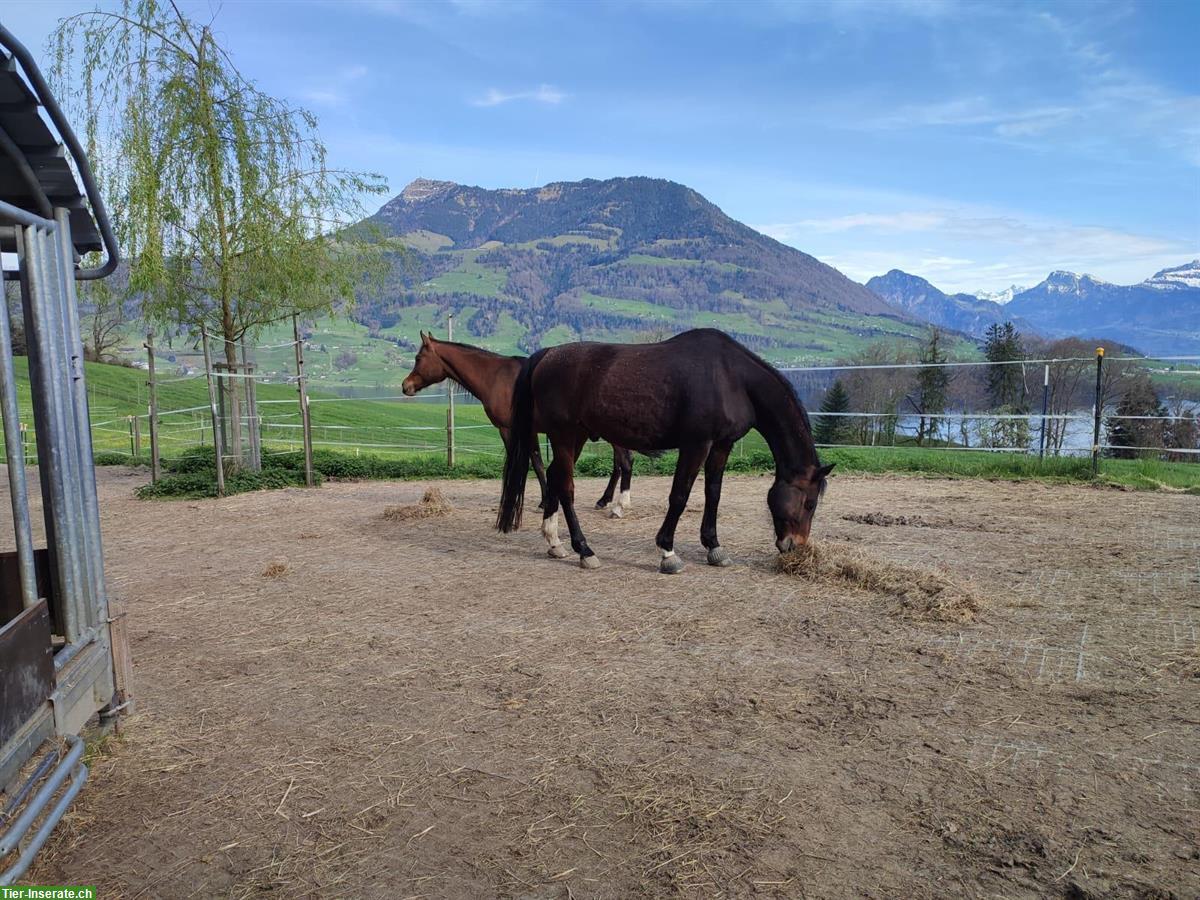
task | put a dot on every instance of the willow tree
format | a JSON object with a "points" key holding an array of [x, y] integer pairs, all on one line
{"points": [[222, 196]]}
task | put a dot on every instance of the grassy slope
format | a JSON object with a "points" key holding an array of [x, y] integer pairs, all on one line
{"points": [[403, 427]]}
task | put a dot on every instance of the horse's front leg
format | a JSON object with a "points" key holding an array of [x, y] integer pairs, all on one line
{"points": [[714, 472], [690, 459], [562, 488]]}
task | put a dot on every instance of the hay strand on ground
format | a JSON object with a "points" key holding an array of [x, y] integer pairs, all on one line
{"points": [[433, 503], [275, 570], [921, 593]]}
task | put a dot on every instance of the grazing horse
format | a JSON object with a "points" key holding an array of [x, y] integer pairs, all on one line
{"points": [[699, 392], [490, 378]]}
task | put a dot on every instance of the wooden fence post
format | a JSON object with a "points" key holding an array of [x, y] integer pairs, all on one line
{"points": [[153, 413], [305, 421], [1096, 426], [216, 416]]}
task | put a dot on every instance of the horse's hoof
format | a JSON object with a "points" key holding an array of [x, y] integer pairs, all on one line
{"points": [[600, 504], [718, 557], [558, 551], [589, 562], [670, 565], [615, 513]]}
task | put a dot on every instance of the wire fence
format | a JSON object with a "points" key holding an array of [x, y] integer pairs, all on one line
{"points": [[1068, 407]]}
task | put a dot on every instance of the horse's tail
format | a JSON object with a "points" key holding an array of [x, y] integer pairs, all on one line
{"points": [[521, 442]]}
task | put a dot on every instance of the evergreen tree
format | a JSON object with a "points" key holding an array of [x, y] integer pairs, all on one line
{"points": [[832, 429], [1005, 384], [1126, 434]]}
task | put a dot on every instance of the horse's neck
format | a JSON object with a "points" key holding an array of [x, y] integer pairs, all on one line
{"points": [[782, 424], [475, 369]]}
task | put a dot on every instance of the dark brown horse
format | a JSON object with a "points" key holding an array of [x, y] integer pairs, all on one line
{"points": [[699, 392], [490, 378]]}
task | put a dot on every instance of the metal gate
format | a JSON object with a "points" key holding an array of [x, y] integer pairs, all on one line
{"points": [[58, 636]]}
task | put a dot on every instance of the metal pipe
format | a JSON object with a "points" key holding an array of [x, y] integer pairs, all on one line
{"points": [[93, 543], [23, 216], [153, 388], [73, 542], [50, 425], [71, 650], [12, 837], [17, 869], [99, 212], [15, 801], [14, 452]]}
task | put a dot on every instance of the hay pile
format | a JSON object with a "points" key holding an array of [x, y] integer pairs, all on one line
{"points": [[432, 504], [275, 570], [920, 593]]}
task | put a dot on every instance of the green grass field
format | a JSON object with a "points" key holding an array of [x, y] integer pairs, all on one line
{"points": [[408, 435]]}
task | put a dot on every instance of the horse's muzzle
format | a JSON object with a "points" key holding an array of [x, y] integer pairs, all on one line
{"points": [[788, 544], [408, 388]]}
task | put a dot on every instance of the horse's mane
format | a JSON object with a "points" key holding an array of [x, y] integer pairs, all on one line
{"points": [[784, 382]]}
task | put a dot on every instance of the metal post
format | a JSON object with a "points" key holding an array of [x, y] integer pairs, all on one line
{"points": [[1045, 403], [450, 402], [1096, 426], [48, 374], [305, 421], [132, 441], [14, 443], [216, 418], [153, 414]]}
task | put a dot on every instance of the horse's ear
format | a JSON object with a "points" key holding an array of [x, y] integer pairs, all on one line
{"points": [[825, 470], [425, 339]]}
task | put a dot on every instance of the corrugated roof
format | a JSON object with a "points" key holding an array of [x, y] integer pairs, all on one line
{"points": [[21, 120]]}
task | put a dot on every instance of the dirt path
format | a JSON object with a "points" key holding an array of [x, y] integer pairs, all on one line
{"points": [[425, 708]]}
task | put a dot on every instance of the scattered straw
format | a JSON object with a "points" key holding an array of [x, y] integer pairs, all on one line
{"points": [[886, 521], [433, 503], [275, 570], [922, 593]]}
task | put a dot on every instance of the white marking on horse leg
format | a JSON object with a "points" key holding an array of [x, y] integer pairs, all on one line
{"points": [[625, 499], [550, 533]]}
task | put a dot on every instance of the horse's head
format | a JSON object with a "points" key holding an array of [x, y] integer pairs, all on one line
{"points": [[428, 369], [792, 501]]}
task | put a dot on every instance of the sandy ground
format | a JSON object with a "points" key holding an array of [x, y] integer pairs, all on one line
{"points": [[426, 708]]}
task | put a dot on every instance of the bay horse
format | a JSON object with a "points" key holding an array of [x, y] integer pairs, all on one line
{"points": [[490, 378], [699, 392]]}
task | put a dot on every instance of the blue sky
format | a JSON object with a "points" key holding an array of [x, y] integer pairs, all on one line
{"points": [[975, 144]]}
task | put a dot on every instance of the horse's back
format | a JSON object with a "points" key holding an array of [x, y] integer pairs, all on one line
{"points": [[647, 396]]}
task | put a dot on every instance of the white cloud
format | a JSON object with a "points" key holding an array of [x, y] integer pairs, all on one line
{"points": [[970, 249], [544, 93], [335, 91]]}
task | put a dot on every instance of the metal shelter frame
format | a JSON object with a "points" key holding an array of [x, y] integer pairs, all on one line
{"points": [[63, 654]]}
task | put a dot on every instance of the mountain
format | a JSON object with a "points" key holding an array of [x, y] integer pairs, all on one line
{"points": [[622, 259], [960, 312], [1000, 297], [1159, 316], [1180, 277]]}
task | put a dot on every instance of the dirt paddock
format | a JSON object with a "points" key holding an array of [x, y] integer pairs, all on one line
{"points": [[343, 704]]}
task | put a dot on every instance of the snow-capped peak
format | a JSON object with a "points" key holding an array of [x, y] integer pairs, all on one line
{"points": [[1185, 276], [1001, 297]]}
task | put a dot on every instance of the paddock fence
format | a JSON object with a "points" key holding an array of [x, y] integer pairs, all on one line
{"points": [[1064, 407]]}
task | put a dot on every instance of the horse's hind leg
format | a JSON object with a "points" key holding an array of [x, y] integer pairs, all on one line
{"points": [[714, 472], [690, 459], [610, 491], [622, 470], [556, 550], [539, 469], [562, 487]]}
